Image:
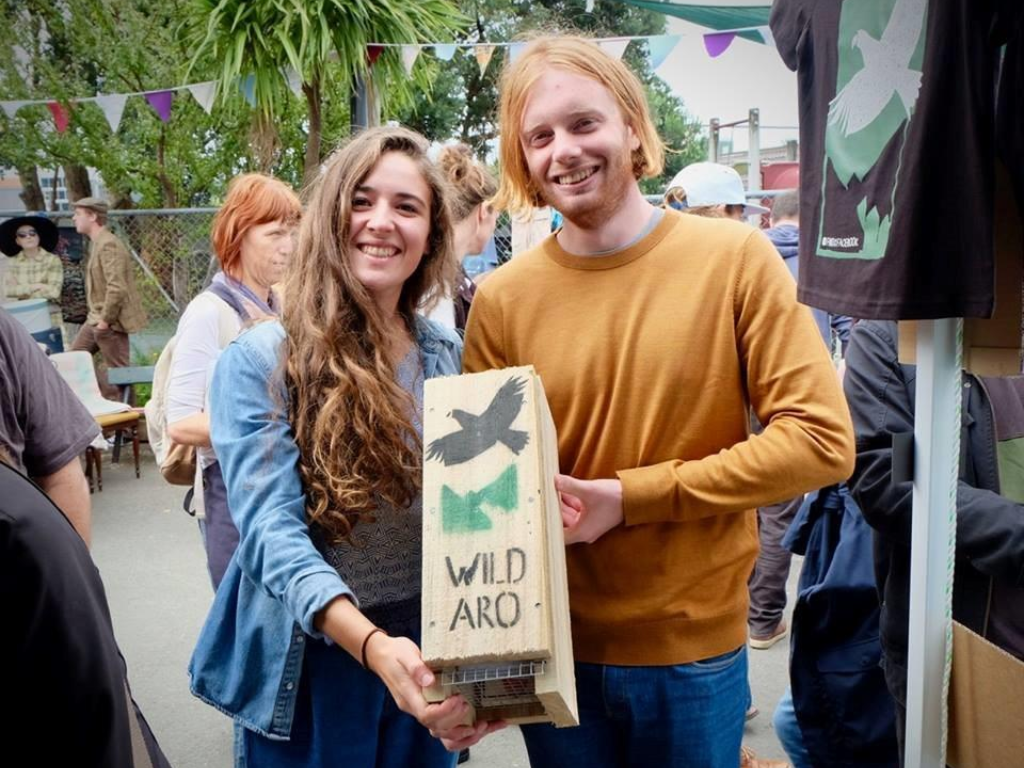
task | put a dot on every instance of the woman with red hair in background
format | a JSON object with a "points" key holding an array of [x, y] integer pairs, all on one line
{"points": [[254, 237]]}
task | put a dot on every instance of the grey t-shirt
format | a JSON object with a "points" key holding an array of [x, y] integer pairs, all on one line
{"points": [[43, 425]]}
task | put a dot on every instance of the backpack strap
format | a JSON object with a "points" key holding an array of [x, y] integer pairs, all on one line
{"points": [[231, 299]]}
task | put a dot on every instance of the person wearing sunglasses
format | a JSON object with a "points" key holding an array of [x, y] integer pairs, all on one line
{"points": [[33, 271]]}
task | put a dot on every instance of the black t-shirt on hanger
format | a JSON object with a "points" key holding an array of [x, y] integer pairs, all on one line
{"points": [[897, 124], [1010, 115]]}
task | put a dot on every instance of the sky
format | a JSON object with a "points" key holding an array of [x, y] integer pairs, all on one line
{"points": [[747, 75]]}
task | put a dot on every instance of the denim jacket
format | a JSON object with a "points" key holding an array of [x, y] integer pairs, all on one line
{"points": [[248, 658]]}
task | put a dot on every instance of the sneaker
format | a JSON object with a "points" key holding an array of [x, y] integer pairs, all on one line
{"points": [[750, 760], [762, 642]]}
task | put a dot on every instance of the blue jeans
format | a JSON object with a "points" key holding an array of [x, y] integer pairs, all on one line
{"points": [[344, 716], [686, 715], [788, 731]]}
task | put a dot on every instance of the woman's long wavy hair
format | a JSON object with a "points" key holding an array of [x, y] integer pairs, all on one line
{"points": [[350, 417]]}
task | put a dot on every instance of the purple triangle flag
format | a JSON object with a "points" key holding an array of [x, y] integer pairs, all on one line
{"points": [[160, 101], [717, 43]]}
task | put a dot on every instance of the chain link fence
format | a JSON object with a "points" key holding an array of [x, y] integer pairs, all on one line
{"points": [[174, 261]]}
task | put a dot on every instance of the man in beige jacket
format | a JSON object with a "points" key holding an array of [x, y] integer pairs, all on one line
{"points": [[115, 308]]}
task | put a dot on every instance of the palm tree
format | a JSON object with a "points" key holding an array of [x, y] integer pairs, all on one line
{"points": [[264, 38]]}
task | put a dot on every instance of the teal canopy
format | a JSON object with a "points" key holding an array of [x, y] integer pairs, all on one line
{"points": [[713, 15]]}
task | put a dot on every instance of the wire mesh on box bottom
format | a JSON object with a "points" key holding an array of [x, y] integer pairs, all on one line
{"points": [[499, 691]]}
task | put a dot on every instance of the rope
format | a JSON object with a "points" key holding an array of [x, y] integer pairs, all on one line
{"points": [[951, 543]]}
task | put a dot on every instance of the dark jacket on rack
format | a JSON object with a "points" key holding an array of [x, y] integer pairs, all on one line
{"points": [[990, 527]]}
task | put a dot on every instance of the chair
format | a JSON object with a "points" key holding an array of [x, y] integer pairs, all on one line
{"points": [[127, 378], [113, 418]]}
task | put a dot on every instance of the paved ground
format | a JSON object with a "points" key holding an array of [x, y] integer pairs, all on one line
{"points": [[152, 563]]}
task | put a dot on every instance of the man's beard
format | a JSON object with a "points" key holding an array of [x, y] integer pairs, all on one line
{"points": [[592, 214]]}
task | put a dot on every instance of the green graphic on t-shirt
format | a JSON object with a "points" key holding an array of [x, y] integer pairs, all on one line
{"points": [[880, 48]]}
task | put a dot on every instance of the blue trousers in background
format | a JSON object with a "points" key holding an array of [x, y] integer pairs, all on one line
{"points": [[787, 728]]}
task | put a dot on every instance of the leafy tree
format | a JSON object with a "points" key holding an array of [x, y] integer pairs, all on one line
{"points": [[262, 38], [71, 49]]}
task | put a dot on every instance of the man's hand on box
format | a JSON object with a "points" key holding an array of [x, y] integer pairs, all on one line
{"points": [[590, 508]]}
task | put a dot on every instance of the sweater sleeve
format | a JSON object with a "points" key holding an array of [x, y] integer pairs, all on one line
{"points": [[484, 344], [807, 442]]}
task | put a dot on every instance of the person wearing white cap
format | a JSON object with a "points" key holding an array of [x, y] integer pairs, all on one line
{"points": [[711, 189]]}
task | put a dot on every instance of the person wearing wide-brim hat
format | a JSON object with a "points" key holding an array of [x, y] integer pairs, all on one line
{"points": [[33, 270]]}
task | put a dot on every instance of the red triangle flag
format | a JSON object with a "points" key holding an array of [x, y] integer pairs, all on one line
{"points": [[61, 116], [373, 53]]}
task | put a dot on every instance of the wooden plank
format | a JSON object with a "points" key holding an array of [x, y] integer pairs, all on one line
{"points": [[556, 688], [494, 587], [483, 521]]}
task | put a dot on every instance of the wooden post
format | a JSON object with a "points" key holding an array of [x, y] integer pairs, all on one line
{"points": [[495, 598]]}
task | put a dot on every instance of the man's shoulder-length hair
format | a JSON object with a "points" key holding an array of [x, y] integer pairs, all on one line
{"points": [[582, 57]]}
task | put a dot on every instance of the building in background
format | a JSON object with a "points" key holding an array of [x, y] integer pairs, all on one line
{"points": [[55, 194]]}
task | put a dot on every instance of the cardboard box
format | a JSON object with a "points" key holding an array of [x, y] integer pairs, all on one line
{"points": [[986, 704], [495, 598]]}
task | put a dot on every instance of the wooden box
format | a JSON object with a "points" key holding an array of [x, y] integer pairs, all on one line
{"points": [[495, 600]]}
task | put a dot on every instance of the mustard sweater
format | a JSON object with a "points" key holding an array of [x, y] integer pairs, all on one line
{"points": [[650, 357]]}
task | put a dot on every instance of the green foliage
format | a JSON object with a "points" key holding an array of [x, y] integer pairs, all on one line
{"points": [[71, 49], [82, 47], [267, 38]]}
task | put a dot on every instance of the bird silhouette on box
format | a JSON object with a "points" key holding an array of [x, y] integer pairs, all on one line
{"points": [[479, 433]]}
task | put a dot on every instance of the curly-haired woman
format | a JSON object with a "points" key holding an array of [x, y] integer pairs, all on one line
{"points": [[310, 643]]}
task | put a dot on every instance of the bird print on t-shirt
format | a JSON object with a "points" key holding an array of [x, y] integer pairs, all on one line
{"points": [[886, 70]]}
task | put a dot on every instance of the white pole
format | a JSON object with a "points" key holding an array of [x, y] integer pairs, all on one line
{"points": [[754, 159], [754, 149], [936, 467], [713, 141]]}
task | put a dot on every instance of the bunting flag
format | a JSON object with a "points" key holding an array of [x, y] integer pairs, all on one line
{"points": [[717, 43], [660, 46], [248, 88], [160, 101], [614, 48], [514, 50], [113, 107], [409, 55], [203, 93], [61, 116], [483, 56], [444, 51], [12, 107]]}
